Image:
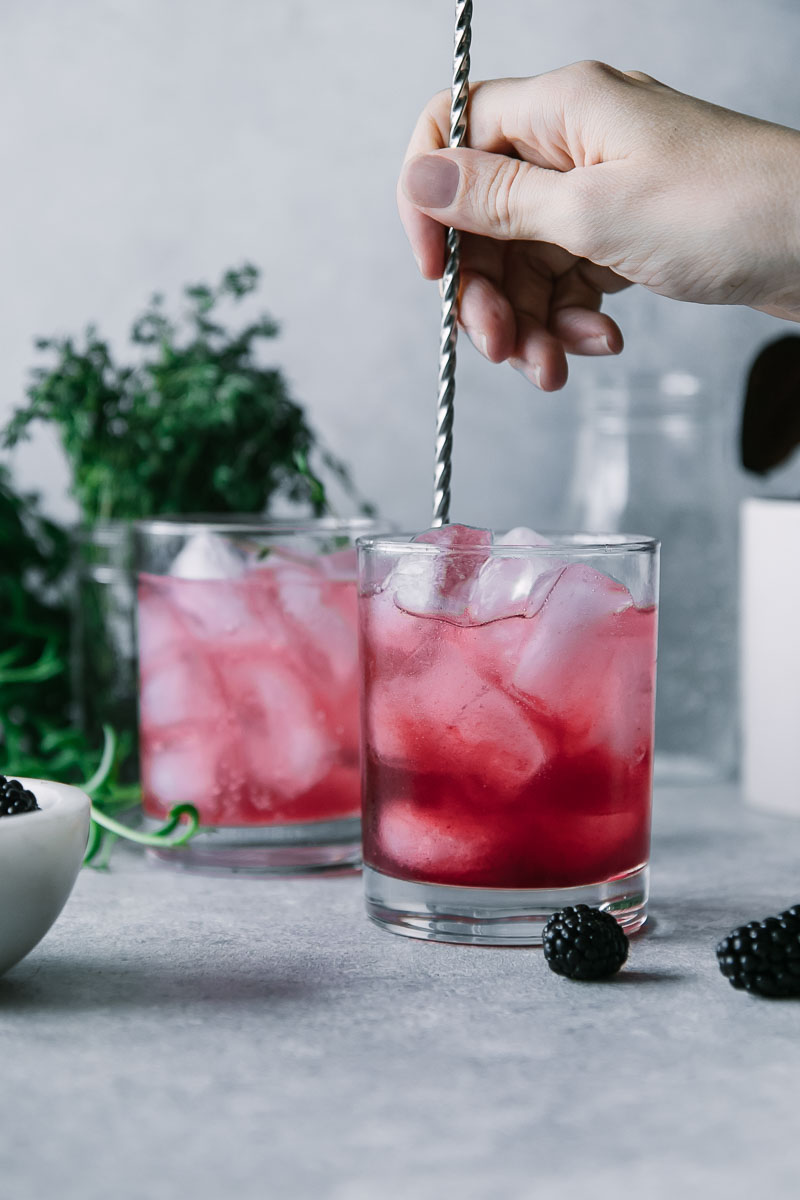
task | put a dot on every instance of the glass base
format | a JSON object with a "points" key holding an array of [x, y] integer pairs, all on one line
{"points": [[313, 848], [494, 916]]}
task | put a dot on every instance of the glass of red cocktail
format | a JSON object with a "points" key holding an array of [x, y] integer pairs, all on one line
{"points": [[507, 729], [248, 696]]}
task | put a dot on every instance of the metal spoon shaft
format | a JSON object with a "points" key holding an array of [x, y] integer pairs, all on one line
{"points": [[450, 279]]}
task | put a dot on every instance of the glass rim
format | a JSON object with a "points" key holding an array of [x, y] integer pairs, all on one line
{"points": [[559, 545], [650, 395], [676, 382], [184, 524]]}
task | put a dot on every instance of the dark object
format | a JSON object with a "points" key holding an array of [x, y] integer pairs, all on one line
{"points": [[34, 627], [770, 430], [15, 799], [764, 956], [584, 943]]}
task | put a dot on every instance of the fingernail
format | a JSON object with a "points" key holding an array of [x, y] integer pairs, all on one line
{"points": [[532, 373], [431, 181], [481, 342], [418, 261], [598, 344]]}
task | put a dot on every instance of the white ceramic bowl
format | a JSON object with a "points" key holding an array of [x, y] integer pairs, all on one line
{"points": [[40, 856]]}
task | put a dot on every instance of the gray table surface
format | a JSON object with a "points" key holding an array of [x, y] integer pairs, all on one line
{"points": [[184, 1036]]}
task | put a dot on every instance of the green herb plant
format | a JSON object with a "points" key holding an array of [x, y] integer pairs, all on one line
{"points": [[198, 423], [34, 620]]}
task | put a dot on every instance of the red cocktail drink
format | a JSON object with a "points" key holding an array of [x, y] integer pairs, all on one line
{"points": [[249, 698], [508, 729]]}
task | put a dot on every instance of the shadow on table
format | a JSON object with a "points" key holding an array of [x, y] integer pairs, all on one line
{"points": [[73, 985], [643, 978]]}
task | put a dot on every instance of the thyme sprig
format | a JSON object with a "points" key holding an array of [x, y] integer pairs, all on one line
{"points": [[195, 421], [48, 664], [105, 830], [66, 756]]}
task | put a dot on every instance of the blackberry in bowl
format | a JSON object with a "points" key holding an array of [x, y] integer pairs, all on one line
{"points": [[44, 828], [16, 799]]}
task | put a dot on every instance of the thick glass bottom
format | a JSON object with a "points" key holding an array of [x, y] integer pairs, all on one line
{"points": [[313, 848], [494, 916]]}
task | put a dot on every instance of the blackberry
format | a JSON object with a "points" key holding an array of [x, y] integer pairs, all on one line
{"points": [[584, 943], [764, 956], [14, 798]]}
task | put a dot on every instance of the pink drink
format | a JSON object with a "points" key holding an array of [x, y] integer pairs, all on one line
{"points": [[508, 721], [249, 692]]}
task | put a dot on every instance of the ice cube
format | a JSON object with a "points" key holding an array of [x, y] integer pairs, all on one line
{"points": [[449, 720], [285, 739], [445, 844], [183, 770], [511, 586], [568, 651], [322, 622], [455, 537], [438, 585], [521, 535], [207, 556], [394, 640], [625, 724], [159, 627], [180, 688], [217, 610]]}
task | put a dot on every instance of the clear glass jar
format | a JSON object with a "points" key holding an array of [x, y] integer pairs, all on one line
{"points": [[103, 639], [652, 456]]}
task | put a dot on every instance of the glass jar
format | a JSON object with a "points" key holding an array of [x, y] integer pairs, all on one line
{"points": [[103, 636], [652, 458]]}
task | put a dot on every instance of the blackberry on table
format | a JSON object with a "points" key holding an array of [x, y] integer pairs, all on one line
{"points": [[584, 943], [15, 799], [763, 957]]}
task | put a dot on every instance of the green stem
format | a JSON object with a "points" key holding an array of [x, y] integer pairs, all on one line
{"points": [[104, 826], [46, 667], [106, 760], [161, 837]]}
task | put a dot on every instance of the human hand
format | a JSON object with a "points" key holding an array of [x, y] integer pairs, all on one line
{"points": [[582, 181]]}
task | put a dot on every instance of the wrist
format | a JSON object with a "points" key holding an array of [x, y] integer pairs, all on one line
{"points": [[778, 224]]}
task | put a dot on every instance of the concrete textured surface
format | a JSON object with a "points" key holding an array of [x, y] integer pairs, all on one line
{"points": [[185, 1036]]}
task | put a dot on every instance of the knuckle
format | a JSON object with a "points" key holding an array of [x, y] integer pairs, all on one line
{"points": [[503, 200], [640, 77], [592, 72], [437, 107]]}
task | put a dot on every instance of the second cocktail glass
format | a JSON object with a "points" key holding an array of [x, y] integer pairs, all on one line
{"points": [[507, 729], [248, 697]]}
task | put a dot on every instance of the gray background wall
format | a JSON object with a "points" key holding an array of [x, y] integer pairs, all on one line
{"points": [[146, 143]]}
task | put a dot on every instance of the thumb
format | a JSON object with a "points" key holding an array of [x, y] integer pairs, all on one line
{"points": [[490, 194]]}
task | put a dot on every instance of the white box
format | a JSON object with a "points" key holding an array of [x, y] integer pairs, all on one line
{"points": [[770, 645]]}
